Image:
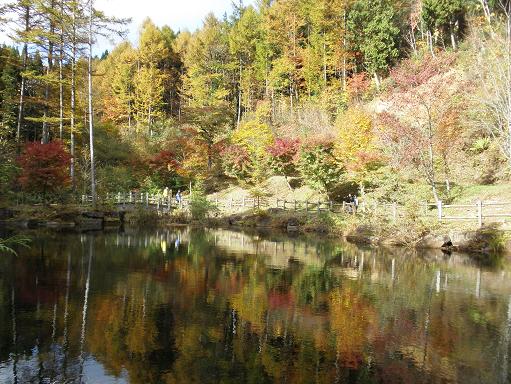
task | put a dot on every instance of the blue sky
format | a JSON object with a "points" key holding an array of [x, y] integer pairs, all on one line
{"points": [[178, 14]]}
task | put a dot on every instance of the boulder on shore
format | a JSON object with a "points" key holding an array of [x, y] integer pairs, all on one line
{"points": [[432, 241]]}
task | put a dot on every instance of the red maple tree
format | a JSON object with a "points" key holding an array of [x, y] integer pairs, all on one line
{"points": [[44, 167]]}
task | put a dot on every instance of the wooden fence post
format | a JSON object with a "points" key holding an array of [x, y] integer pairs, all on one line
{"points": [[394, 211], [331, 206], [480, 213], [243, 201], [284, 205], [296, 207], [319, 206], [440, 213], [307, 206], [147, 199]]}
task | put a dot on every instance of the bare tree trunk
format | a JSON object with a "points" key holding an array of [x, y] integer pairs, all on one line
{"points": [[377, 81], [430, 43], [91, 120], [453, 37], [46, 129], [22, 97], [431, 158], [412, 40], [486, 10], [22, 88], [61, 76], [73, 99]]}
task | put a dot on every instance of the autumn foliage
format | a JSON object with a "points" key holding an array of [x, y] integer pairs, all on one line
{"points": [[45, 167], [284, 155]]}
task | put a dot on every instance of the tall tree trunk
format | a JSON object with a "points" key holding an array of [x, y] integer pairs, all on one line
{"points": [[22, 88], [486, 10], [453, 36], [46, 128], [61, 75], [240, 92], [73, 99], [430, 43], [91, 120], [431, 159], [377, 81]]}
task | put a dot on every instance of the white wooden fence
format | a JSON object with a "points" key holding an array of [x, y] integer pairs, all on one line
{"points": [[480, 212]]}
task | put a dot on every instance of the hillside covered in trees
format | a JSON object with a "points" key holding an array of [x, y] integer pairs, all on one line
{"points": [[361, 96]]}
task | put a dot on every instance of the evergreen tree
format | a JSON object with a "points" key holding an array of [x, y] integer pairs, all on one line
{"points": [[9, 92], [375, 33], [445, 17]]}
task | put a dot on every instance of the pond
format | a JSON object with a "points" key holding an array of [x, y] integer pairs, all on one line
{"points": [[215, 306]]}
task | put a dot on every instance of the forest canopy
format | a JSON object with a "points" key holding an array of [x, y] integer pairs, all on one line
{"points": [[324, 91]]}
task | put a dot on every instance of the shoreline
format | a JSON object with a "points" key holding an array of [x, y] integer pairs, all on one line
{"points": [[486, 241]]}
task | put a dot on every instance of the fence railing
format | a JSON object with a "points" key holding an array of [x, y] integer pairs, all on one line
{"points": [[137, 199], [480, 211]]}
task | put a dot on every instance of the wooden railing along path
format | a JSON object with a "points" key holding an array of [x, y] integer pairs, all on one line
{"points": [[480, 212]]}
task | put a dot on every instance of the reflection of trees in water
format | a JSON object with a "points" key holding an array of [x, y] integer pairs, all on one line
{"points": [[208, 306]]}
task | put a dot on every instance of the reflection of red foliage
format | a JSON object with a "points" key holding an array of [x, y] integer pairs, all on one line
{"points": [[44, 167], [278, 300]]}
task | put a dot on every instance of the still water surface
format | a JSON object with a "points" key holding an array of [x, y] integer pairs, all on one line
{"points": [[214, 306]]}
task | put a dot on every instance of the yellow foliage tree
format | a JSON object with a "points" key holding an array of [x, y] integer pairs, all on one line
{"points": [[254, 136], [356, 144]]}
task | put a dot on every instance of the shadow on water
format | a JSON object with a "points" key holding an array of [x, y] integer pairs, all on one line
{"points": [[208, 306]]}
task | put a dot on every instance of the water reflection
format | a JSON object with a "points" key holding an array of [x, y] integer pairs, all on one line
{"points": [[209, 306]]}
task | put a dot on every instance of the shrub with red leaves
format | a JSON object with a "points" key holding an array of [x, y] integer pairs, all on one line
{"points": [[164, 168], [236, 162], [283, 155], [164, 162], [44, 167]]}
